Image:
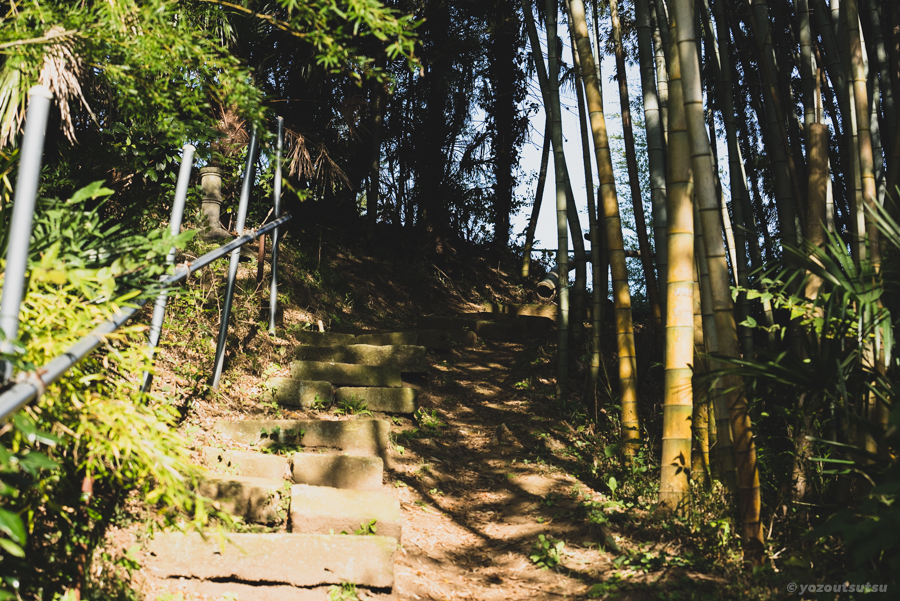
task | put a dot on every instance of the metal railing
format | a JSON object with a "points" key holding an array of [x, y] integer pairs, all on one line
{"points": [[27, 386]]}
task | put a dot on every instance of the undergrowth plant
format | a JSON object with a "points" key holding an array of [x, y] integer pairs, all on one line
{"points": [[70, 460]]}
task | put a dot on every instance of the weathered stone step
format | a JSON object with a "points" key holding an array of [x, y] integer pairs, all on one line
{"points": [[323, 510], [389, 400], [324, 338], [431, 339], [211, 589], [535, 310], [497, 327], [299, 393], [389, 338], [406, 358], [346, 374], [337, 471], [359, 436], [246, 463], [318, 469], [257, 500], [275, 558]]}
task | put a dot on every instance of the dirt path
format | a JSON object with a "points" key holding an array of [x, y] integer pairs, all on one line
{"points": [[475, 501]]}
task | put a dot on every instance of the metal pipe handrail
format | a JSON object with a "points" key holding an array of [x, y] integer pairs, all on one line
{"points": [[31, 385]]}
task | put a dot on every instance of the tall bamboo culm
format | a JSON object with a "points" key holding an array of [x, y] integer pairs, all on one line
{"points": [[674, 484], [656, 155], [562, 256], [682, 15], [613, 222]]}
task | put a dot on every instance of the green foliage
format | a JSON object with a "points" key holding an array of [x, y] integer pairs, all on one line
{"points": [[353, 406], [547, 552], [846, 376], [69, 461], [428, 420], [367, 528], [344, 592]]}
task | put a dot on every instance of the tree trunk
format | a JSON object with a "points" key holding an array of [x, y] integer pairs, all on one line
{"points": [[596, 301], [726, 331], [659, 21], [740, 196], [678, 403], [634, 179], [502, 73], [379, 94], [786, 190], [562, 256], [863, 126], [538, 198], [614, 241], [656, 156]]}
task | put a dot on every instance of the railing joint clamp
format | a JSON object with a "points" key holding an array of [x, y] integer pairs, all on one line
{"points": [[34, 379]]}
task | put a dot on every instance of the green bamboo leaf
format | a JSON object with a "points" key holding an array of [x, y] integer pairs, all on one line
{"points": [[11, 525]]}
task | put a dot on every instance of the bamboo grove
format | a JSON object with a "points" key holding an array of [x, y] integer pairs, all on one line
{"points": [[749, 272], [771, 290]]}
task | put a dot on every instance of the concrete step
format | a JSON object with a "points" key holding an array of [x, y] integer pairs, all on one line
{"points": [[337, 471], [275, 558], [431, 339], [318, 469], [406, 358], [300, 393], [324, 510], [211, 590], [324, 338], [503, 328], [389, 400], [357, 436], [514, 310], [389, 338], [346, 374], [257, 500], [246, 463]]}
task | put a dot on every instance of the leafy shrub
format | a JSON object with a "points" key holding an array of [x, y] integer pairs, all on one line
{"points": [[69, 461]]}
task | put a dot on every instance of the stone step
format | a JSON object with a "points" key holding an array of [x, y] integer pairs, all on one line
{"points": [[389, 400], [238, 591], [346, 374], [318, 469], [324, 510], [246, 463], [275, 558], [358, 436], [503, 328], [441, 339], [324, 338], [389, 338], [406, 358], [257, 500], [535, 310], [337, 471], [300, 393], [431, 339]]}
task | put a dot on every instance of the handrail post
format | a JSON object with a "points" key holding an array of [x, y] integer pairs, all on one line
{"points": [[22, 221], [276, 235], [235, 259], [159, 307]]}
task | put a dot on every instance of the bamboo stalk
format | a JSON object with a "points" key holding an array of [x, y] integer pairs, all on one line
{"points": [[678, 402], [655, 151], [633, 177], [726, 330], [614, 239]]}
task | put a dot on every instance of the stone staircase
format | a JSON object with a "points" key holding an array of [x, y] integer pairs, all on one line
{"points": [[313, 490]]}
